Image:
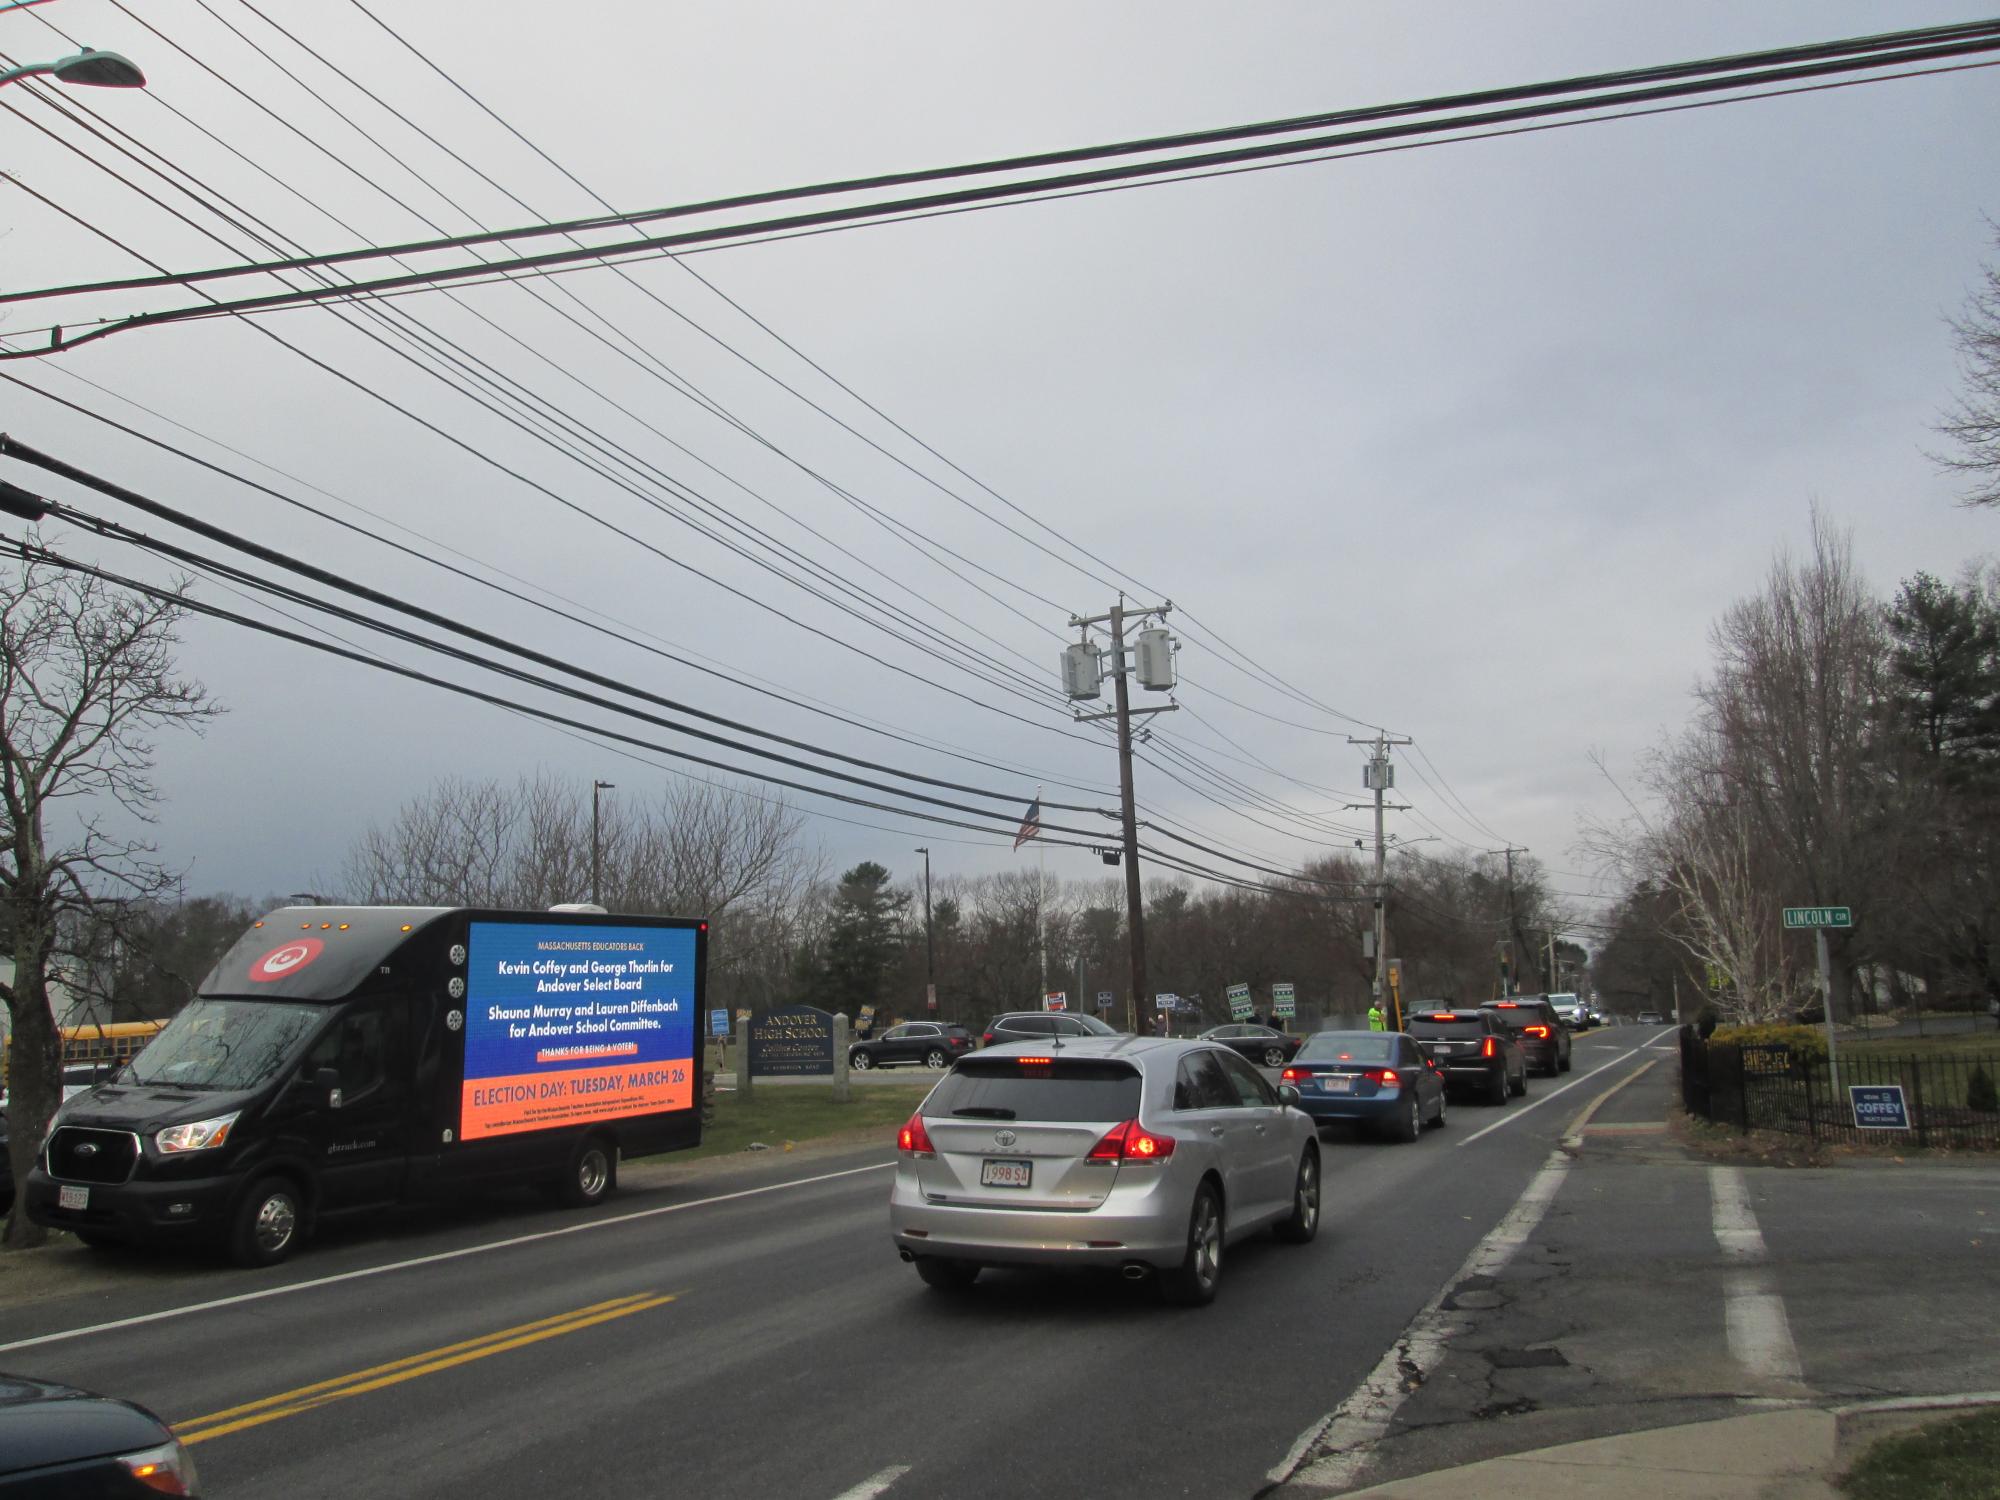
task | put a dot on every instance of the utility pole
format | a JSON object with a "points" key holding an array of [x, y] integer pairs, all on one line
{"points": [[930, 950], [1378, 774], [1083, 671], [596, 846], [1507, 983]]}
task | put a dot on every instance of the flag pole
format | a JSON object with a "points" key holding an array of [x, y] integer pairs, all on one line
{"points": [[1041, 901]]}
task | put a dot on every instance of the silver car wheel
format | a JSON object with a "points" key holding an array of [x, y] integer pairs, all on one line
{"points": [[935, 1059], [1274, 1057], [861, 1062], [1205, 1241], [1308, 1195]]}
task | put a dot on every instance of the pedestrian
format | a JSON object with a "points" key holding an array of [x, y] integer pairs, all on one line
{"points": [[1160, 1024], [1375, 1021]]}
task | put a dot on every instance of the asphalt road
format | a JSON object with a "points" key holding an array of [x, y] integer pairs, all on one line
{"points": [[752, 1333]]}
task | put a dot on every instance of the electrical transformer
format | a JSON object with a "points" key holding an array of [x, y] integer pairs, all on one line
{"points": [[1378, 775], [1156, 659], [1082, 671]]}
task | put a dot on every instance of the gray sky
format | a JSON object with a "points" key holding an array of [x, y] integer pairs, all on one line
{"points": [[1471, 442]]}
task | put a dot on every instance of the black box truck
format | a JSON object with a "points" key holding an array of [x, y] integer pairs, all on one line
{"points": [[339, 1059]]}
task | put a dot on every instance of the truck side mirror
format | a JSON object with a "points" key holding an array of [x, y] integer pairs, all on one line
{"points": [[326, 1083]]}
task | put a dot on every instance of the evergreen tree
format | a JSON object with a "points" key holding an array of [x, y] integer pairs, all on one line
{"points": [[863, 938]]}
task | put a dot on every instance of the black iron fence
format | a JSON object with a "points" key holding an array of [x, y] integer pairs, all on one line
{"points": [[1922, 1099]]}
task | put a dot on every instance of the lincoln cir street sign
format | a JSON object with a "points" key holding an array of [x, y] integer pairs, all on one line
{"points": [[1819, 916]]}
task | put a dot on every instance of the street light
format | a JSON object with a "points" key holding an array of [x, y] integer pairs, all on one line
{"points": [[103, 70], [930, 951], [596, 847]]}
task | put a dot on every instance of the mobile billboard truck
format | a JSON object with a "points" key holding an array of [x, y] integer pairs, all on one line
{"points": [[341, 1059]]}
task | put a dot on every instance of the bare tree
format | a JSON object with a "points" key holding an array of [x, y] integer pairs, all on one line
{"points": [[1973, 421], [87, 676]]}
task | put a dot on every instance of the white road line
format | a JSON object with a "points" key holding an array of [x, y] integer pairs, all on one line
{"points": [[1515, 1114], [1753, 1314], [872, 1486], [1346, 1434], [430, 1260]]}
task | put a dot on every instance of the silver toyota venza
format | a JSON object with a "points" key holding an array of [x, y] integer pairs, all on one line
{"points": [[1146, 1154]]}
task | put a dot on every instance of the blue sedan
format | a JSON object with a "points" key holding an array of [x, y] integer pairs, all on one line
{"points": [[1377, 1078]]}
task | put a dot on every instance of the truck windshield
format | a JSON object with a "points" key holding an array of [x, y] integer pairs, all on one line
{"points": [[226, 1044]]}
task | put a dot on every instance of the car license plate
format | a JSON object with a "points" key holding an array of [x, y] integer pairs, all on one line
{"points": [[72, 1197], [1336, 1083], [1014, 1174]]}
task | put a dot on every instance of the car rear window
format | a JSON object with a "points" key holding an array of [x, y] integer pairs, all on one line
{"points": [[1436, 1026], [1521, 1015], [1348, 1047], [1059, 1092]]}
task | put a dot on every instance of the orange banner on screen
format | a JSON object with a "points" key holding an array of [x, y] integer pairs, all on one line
{"points": [[573, 1096]]}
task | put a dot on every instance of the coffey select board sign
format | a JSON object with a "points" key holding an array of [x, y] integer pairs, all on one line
{"points": [[565, 1024]]}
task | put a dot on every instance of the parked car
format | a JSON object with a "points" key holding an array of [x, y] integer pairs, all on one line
{"points": [[1544, 1039], [929, 1044], [56, 1440], [1474, 1050], [1377, 1078], [1040, 1026], [1261, 1044], [1148, 1154]]}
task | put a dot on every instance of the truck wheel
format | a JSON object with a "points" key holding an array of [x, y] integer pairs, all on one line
{"points": [[268, 1224], [593, 1172], [861, 1062]]}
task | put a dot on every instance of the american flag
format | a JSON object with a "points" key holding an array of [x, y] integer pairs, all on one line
{"points": [[1031, 825]]}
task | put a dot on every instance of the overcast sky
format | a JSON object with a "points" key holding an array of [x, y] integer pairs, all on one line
{"points": [[1472, 442]]}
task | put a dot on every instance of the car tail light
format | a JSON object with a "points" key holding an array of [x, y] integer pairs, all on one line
{"points": [[1291, 1075], [1540, 1031], [1506, 1005], [1489, 1050], [1131, 1142], [1387, 1077], [986, 1040], [1036, 1062], [914, 1138]]}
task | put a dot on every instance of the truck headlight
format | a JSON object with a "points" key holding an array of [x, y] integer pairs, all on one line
{"points": [[200, 1136]]}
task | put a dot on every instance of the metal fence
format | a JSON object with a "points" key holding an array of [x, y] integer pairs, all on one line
{"points": [[1947, 1098]]}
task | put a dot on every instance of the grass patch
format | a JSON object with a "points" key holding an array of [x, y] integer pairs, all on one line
{"points": [[1981, 1045], [1956, 1460], [775, 1114]]}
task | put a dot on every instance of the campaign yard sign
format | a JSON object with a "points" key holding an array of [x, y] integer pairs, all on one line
{"points": [[566, 1024], [1240, 1008], [1284, 1002], [1879, 1106]]}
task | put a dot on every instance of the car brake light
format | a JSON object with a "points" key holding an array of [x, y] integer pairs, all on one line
{"points": [[986, 1040], [1291, 1075], [1541, 1031], [1131, 1142], [1487, 1050], [1388, 1077], [1506, 1005], [1036, 1062], [914, 1138]]}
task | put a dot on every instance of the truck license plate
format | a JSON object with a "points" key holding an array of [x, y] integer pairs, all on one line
{"points": [[1015, 1174], [72, 1197], [1337, 1083]]}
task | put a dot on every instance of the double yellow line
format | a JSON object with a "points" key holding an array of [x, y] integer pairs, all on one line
{"points": [[308, 1397]]}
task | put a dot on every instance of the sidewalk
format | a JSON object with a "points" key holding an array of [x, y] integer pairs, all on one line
{"points": [[1795, 1454]]}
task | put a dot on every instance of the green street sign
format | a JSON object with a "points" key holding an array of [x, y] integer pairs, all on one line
{"points": [[1819, 916]]}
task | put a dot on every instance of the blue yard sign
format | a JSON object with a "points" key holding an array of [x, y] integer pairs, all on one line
{"points": [[1879, 1106], [718, 1023]]}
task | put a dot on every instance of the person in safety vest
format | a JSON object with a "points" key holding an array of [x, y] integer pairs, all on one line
{"points": [[1375, 1021]]}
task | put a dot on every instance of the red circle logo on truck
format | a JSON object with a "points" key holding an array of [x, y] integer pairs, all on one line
{"points": [[284, 961]]}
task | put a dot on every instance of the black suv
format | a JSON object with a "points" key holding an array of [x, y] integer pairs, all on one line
{"points": [[1543, 1036], [1474, 1050], [931, 1043], [1040, 1026]]}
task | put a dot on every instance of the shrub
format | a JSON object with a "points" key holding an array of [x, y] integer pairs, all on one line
{"points": [[1803, 1040], [1980, 1093]]}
